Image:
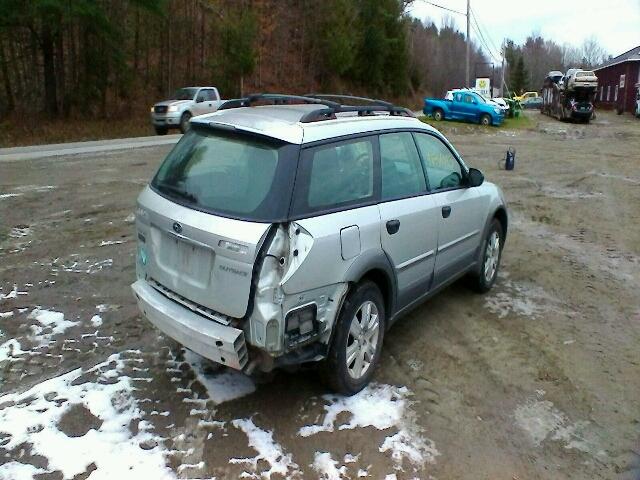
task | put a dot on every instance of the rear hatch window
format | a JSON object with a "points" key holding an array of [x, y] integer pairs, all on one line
{"points": [[231, 174]]}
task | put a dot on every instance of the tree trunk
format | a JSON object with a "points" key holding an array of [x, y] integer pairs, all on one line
{"points": [[8, 90], [60, 73], [50, 90]]}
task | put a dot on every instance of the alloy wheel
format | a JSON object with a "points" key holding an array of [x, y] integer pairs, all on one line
{"points": [[491, 256], [362, 341]]}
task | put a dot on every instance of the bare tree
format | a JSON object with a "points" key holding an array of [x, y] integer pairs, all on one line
{"points": [[592, 52]]}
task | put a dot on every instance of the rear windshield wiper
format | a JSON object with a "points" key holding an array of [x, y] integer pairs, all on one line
{"points": [[175, 191]]}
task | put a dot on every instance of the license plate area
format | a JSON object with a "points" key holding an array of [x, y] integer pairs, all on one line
{"points": [[190, 263]]}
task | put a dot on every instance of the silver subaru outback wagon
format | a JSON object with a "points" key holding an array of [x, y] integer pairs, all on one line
{"points": [[282, 234]]}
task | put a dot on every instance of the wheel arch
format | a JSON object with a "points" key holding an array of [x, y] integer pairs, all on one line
{"points": [[501, 215], [377, 268]]}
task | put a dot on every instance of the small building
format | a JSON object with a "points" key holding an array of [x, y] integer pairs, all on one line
{"points": [[617, 79]]}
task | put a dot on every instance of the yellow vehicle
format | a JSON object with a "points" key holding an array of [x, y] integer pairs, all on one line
{"points": [[525, 96]]}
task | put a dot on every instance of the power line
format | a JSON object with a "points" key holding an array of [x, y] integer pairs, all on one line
{"points": [[475, 17], [483, 40], [444, 8]]}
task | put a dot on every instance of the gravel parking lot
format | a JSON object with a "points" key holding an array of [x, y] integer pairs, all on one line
{"points": [[540, 378]]}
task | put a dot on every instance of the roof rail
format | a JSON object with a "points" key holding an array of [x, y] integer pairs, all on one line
{"points": [[276, 99], [330, 107], [329, 96]]}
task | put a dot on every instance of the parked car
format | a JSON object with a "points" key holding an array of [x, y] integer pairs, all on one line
{"points": [[532, 103], [252, 270], [637, 112], [555, 76], [501, 103], [498, 102], [525, 96], [184, 103], [464, 105], [576, 78]]}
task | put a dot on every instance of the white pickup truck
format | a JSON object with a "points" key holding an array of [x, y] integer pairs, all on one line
{"points": [[184, 103]]}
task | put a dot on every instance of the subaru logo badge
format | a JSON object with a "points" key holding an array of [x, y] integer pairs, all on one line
{"points": [[177, 227]]}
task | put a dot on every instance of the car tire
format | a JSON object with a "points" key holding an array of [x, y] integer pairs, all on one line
{"points": [[184, 122], [485, 120], [161, 130], [489, 262], [354, 336], [438, 115]]}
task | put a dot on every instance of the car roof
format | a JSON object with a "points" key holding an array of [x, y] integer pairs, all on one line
{"points": [[283, 122]]}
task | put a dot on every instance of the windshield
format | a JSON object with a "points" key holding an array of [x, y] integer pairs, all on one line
{"points": [[480, 98], [184, 94], [234, 175]]}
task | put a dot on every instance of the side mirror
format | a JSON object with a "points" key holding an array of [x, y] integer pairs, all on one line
{"points": [[199, 100], [475, 178]]}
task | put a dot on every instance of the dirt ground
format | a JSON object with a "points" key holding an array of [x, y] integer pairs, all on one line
{"points": [[540, 378]]}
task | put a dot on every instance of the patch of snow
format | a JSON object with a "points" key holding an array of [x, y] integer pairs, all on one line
{"points": [[524, 299], [32, 418], [9, 350], [19, 232], [348, 458], [96, 320], [35, 188], [104, 243], [383, 407], [53, 322], [221, 386], [79, 267], [12, 294], [9, 195], [268, 450], [543, 421], [326, 467], [19, 471], [6, 314], [106, 307], [415, 365]]}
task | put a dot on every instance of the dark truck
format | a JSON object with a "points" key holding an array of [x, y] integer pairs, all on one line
{"points": [[568, 103]]}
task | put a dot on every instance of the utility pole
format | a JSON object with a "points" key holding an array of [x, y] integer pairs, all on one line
{"points": [[468, 40], [502, 71]]}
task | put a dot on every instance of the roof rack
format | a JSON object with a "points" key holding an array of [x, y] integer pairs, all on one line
{"points": [[330, 107], [330, 96]]}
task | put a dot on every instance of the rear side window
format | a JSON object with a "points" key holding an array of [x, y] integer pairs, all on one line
{"points": [[402, 174], [443, 170], [336, 175]]}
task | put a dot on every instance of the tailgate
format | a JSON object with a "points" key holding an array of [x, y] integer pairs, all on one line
{"points": [[204, 258]]}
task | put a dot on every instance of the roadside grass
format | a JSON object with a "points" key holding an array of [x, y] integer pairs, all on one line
{"points": [[15, 132], [523, 122]]}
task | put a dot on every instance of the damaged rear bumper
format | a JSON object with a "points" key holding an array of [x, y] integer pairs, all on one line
{"points": [[222, 344]]}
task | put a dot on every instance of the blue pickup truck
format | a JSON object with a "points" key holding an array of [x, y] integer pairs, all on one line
{"points": [[465, 105]]}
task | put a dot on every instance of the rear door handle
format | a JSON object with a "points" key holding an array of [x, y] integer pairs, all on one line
{"points": [[393, 226], [446, 211]]}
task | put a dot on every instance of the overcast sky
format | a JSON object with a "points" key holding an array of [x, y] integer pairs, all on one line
{"points": [[615, 23]]}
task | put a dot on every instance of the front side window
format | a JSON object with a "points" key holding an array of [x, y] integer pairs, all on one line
{"points": [[336, 175], [443, 170], [232, 175], [402, 174], [184, 94]]}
